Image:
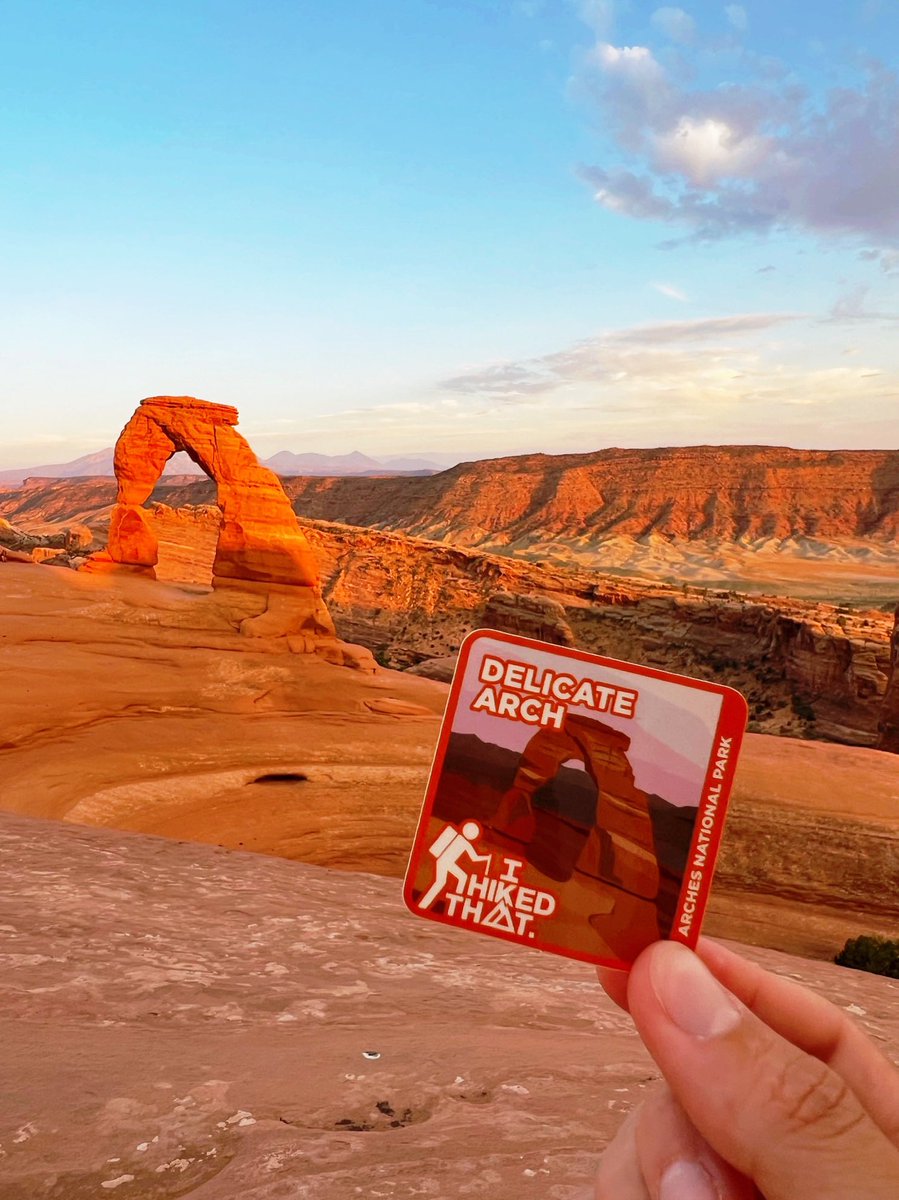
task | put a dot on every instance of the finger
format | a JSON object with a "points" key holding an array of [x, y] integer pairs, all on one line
{"points": [[815, 1026], [779, 1116], [677, 1163], [619, 1176], [614, 984]]}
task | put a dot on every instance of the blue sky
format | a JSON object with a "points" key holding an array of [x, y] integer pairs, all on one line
{"points": [[465, 226]]}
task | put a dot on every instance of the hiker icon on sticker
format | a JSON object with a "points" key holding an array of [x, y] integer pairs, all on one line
{"points": [[575, 802]]}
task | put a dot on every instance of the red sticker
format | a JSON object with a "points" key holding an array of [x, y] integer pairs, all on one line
{"points": [[575, 803]]}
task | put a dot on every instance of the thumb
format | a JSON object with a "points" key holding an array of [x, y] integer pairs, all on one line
{"points": [[779, 1116]]}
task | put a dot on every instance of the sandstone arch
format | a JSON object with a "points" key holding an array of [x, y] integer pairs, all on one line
{"points": [[262, 556], [259, 540]]}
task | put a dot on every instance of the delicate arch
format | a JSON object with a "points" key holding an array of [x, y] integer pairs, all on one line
{"points": [[259, 539]]}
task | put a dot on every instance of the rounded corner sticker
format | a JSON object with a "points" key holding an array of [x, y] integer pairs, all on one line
{"points": [[575, 803]]}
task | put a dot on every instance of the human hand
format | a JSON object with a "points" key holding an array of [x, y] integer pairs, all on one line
{"points": [[771, 1091]]}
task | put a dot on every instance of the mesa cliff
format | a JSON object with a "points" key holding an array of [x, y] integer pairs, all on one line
{"points": [[733, 493], [815, 524]]}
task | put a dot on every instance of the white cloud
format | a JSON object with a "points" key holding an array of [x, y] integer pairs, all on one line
{"points": [[736, 15], [758, 156], [671, 291], [708, 150], [688, 355], [675, 24], [757, 377], [637, 63], [598, 14]]}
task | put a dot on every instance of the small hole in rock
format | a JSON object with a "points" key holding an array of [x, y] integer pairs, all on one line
{"points": [[281, 777]]}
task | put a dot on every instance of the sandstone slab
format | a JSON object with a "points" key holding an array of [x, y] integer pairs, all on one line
{"points": [[184, 1021]]}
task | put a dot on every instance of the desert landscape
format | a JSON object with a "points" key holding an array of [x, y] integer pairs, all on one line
{"points": [[367, 364], [167, 681]]}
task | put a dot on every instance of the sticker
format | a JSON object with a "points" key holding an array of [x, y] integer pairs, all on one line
{"points": [[576, 803]]}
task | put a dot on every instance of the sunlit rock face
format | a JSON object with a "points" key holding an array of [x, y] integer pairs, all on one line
{"points": [[889, 718], [259, 538], [261, 554]]}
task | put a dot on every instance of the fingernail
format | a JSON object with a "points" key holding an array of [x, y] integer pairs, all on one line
{"points": [[687, 1181], [692, 997]]}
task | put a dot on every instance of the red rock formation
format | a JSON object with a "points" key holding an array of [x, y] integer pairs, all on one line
{"points": [[260, 548], [529, 616], [620, 848], [259, 539], [18, 545], [889, 713], [808, 669], [691, 493]]}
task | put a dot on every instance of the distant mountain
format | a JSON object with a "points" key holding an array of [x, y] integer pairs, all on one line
{"points": [[419, 465], [285, 462], [98, 463]]}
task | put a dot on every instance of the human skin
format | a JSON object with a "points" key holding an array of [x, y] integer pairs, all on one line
{"points": [[769, 1091]]}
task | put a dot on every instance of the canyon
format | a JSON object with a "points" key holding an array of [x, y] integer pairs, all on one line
{"points": [[202, 828], [807, 668], [814, 524]]}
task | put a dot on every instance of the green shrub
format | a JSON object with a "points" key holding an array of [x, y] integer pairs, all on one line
{"points": [[871, 953]]}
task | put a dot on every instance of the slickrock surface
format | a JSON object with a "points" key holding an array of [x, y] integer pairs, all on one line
{"points": [[811, 847], [133, 704], [184, 1021]]}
